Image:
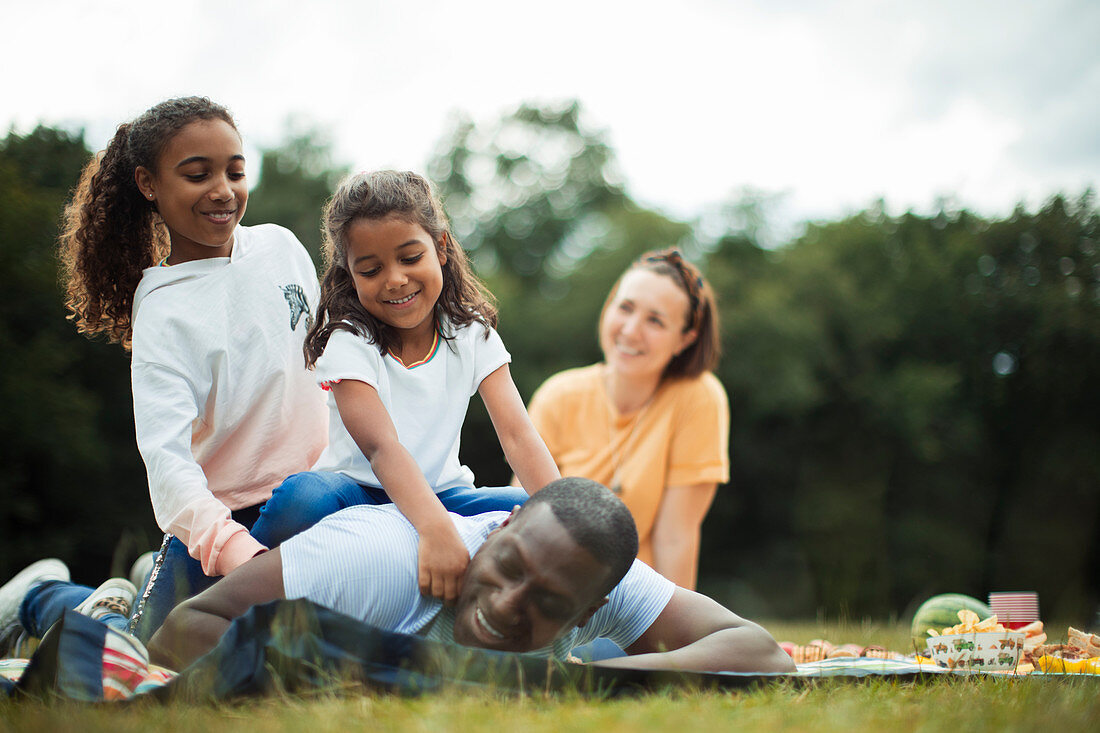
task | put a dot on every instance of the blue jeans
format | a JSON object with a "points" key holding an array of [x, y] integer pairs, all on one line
{"points": [[469, 502], [331, 492], [295, 505]]}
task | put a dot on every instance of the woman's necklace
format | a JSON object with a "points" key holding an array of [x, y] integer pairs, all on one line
{"points": [[618, 458]]}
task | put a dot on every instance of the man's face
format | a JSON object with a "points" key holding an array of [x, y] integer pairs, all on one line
{"points": [[527, 584]]}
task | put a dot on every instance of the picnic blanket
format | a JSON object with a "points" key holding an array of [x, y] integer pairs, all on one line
{"points": [[292, 646]]}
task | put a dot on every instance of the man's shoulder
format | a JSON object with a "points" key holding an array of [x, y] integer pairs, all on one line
{"points": [[379, 520], [475, 530], [641, 583], [632, 606]]}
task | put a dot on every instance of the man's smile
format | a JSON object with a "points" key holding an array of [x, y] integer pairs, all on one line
{"points": [[484, 622]]}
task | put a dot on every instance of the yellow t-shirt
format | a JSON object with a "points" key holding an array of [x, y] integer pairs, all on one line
{"points": [[680, 438]]}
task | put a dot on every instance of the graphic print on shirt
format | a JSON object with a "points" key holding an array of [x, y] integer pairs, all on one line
{"points": [[296, 299]]}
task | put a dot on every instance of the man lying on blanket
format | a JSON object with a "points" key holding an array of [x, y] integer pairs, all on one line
{"points": [[544, 578]]}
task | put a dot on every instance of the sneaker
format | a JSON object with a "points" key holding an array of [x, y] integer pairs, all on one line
{"points": [[12, 592], [113, 596], [141, 568]]}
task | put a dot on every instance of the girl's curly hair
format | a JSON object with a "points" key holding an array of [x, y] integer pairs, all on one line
{"points": [[410, 197], [111, 232]]}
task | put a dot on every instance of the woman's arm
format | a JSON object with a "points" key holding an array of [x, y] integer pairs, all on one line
{"points": [[442, 556], [524, 449], [676, 531]]}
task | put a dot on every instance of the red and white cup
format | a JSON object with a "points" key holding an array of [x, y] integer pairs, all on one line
{"points": [[1015, 609]]}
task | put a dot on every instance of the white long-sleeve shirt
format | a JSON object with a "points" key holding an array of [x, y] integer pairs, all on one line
{"points": [[223, 405]]}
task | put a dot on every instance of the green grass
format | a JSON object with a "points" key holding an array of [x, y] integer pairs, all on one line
{"points": [[948, 704], [963, 704], [843, 631]]}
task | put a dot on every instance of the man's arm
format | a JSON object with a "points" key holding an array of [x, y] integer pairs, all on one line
{"points": [[194, 626], [698, 634]]}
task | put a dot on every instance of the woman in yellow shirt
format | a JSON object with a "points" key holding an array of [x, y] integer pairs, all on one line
{"points": [[651, 421]]}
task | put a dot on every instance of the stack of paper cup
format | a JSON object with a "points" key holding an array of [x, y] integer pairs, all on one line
{"points": [[1015, 609]]}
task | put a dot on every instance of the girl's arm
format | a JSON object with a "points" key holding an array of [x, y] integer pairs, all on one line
{"points": [[524, 449], [165, 409], [442, 557], [676, 531]]}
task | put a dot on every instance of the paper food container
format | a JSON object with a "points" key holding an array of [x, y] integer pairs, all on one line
{"points": [[988, 650]]}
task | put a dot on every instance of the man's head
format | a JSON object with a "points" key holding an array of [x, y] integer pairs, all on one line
{"points": [[547, 568]]}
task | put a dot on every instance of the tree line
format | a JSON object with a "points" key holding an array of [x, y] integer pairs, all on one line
{"points": [[911, 396]]}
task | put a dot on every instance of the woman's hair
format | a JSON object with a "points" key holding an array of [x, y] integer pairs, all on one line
{"points": [[111, 232], [701, 355], [375, 196]]}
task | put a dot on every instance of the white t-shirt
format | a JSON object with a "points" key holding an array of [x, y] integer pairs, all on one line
{"points": [[361, 561], [427, 402], [224, 407]]}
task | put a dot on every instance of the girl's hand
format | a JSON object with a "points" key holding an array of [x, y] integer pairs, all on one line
{"points": [[441, 563]]}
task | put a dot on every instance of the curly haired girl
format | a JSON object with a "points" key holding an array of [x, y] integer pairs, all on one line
{"points": [[215, 314]]}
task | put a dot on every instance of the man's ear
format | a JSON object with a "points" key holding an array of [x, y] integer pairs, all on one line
{"points": [[511, 516], [590, 612]]}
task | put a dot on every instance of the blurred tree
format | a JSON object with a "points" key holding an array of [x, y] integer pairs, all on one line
{"points": [[888, 441], [518, 189], [1036, 290], [296, 178], [66, 430], [536, 200]]}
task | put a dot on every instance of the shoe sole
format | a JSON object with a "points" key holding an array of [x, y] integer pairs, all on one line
{"points": [[113, 588], [13, 592]]}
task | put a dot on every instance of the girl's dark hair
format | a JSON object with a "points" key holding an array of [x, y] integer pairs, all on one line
{"points": [[111, 232], [409, 197], [702, 354]]}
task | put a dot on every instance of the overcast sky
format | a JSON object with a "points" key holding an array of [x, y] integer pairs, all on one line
{"points": [[831, 105]]}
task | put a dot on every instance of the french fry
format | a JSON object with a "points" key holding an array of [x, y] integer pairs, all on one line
{"points": [[969, 622]]}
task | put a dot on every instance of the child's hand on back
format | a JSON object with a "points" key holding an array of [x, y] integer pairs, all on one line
{"points": [[441, 563]]}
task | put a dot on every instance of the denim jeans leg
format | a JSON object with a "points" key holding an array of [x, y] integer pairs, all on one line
{"points": [[304, 499], [180, 577], [469, 502], [45, 604]]}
